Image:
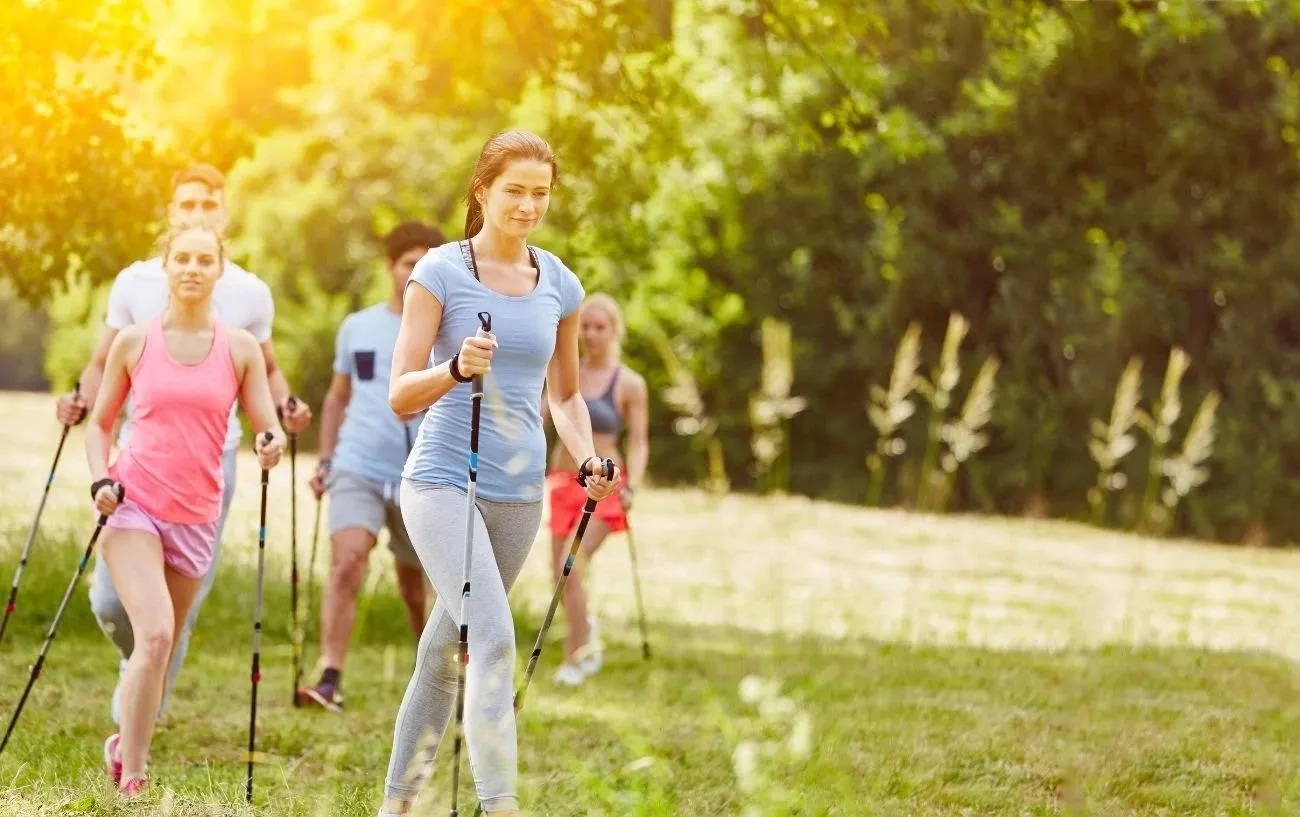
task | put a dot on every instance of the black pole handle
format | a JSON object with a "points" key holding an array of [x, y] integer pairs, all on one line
{"points": [[100, 484], [585, 471], [476, 382], [291, 404], [76, 395]]}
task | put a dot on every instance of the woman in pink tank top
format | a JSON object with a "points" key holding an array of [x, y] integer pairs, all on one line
{"points": [[184, 372]]}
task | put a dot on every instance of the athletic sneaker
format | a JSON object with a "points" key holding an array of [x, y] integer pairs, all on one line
{"points": [[593, 659], [134, 787], [325, 694], [113, 760], [569, 675], [595, 649]]}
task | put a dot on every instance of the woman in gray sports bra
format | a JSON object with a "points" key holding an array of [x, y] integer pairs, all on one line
{"points": [[616, 400]]}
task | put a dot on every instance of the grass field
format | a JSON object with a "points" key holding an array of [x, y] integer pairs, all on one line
{"points": [[810, 659]]}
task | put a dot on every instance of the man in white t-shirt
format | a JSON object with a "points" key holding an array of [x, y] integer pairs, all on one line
{"points": [[139, 293]]}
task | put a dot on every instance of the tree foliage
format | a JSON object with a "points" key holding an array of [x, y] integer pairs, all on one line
{"points": [[79, 190], [1085, 183]]}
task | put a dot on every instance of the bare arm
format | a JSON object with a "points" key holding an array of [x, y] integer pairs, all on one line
{"points": [[116, 382], [70, 410], [413, 386], [637, 411], [332, 411], [297, 418], [92, 376], [254, 386], [568, 409], [276, 382]]}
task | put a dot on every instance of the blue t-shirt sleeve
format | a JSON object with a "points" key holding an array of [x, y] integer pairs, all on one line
{"points": [[571, 291], [343, 360], [430, 272]]}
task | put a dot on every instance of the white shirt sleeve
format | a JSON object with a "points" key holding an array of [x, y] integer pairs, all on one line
{"points": [[119, 300], [263, 313]]}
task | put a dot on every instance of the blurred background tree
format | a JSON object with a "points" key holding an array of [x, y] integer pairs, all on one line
{"points": [[1085, 184]]}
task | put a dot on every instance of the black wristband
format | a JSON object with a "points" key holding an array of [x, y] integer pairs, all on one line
{"points": [[96, 485], [455, 370]]}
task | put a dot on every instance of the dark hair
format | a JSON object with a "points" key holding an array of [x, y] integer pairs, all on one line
{"points": [[202, 173], [411, 234], [502, 149], [165, 241]]}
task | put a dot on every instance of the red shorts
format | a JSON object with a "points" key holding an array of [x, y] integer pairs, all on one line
{"points": [[567, 498]]}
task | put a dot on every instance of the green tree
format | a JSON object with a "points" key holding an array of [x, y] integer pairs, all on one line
{"points": [[80, 192]]}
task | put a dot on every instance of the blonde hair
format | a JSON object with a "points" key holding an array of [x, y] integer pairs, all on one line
{"points": [[164, 241], [609, 306]]}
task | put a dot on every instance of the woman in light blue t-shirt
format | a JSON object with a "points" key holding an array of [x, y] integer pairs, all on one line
{"points": [[533, 299]]}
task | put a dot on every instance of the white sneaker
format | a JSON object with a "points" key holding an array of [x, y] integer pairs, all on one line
{"points": [[595, 649], [569, 675]]}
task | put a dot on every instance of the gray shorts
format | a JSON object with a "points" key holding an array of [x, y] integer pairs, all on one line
{"points": [[358, 501]]}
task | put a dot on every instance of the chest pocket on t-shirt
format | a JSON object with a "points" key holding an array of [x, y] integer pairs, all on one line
{"points": [[364, 361]]}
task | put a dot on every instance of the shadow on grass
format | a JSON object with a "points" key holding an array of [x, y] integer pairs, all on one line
{"points": [[721, 718]]}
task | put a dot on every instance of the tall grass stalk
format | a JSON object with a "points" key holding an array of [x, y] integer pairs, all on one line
{"points": [[1111, 442], [888, 410], [772, 407], [692, 421], [1185, 470], [1159, 427], [938, 391], [966, 436]]}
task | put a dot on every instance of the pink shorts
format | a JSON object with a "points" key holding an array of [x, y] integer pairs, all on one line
{"points": [[187, 548]]}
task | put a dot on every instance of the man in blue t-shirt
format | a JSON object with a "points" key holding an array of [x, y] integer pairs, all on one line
{"points": [[363, 448]]}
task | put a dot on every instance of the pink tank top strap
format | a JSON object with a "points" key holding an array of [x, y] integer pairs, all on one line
{"points": [[155, 343], [221, 358]]}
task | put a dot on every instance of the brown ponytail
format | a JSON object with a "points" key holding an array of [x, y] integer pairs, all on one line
{"points": [[502, 149], [473, 217]]}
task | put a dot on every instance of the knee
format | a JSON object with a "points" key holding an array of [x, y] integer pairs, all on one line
{"points": [[444, 659], [349, 568], [495, 650], [155, 644], [105, 605]]}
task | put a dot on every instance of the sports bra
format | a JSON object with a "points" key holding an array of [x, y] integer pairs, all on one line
{"points": [[605, 418]]}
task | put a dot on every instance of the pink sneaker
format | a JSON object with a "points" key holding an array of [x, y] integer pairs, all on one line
{"points": [[113, 760], [133, 788]]}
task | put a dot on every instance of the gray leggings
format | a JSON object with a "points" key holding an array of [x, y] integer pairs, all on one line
{"points": [[503, 535]]}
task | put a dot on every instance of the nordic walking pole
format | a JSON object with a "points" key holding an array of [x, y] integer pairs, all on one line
{"points": [[58, 615], [295, 628], [587, 510], [462, 663], [256, 674], [636, 583], [311, 563], [12, 603]]}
